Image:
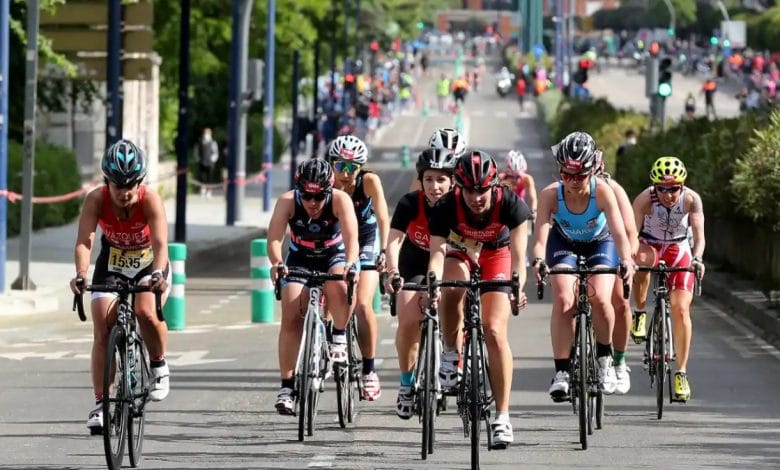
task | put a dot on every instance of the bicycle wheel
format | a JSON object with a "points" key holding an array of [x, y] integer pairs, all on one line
{"points": [[475, 404], [659, 357], [140, 379], [303, 381], [428, 392], [343, 398], [318, 382], [670, 353], [422, 393], [431, 382], [582, 383], [355, 367], [115, 408]]}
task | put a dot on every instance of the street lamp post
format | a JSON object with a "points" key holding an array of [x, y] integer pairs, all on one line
{"points": [[672, 15]]}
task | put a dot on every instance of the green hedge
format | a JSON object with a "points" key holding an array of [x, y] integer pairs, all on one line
{"points": [[56, 172]]}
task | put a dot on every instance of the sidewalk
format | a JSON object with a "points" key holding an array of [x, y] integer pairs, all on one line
{"points": [[51, 264]]}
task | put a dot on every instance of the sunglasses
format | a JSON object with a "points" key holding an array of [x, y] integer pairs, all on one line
{"points": [[313, 196], [668, 190], [574, 176], [348, 167]]}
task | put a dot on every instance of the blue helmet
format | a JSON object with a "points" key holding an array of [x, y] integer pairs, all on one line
{"points": [[124, 163]]}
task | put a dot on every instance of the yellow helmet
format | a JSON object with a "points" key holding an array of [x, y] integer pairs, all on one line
{"points": [[668, 170]]}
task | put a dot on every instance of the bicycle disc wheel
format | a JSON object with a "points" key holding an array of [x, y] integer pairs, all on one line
{"points": [[475, 404], [303, 381], [582, 384], [660, 358], [115, 406], [140, 379]]}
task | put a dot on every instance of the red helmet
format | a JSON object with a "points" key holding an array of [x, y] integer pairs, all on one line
{"points": [[476, 170]]}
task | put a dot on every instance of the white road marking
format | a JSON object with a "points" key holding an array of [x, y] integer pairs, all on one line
{"points": [[25, 345], [501, 114], [224, 301], [749, 335], [84, 339], [243, 326], [191, 358], [322, 461], [387, 341], [206, 311], [35, 355]]}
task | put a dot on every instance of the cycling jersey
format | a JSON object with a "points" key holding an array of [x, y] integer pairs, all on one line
{"points": [[589, 225], [411, 216], [485, 241], [666, 224], [518, 181], [315, 236], [125, 246]]}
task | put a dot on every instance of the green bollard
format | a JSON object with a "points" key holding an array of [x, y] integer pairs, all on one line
{"points": [[262, 287], [175, 308], [377, 300], [405, 157]]}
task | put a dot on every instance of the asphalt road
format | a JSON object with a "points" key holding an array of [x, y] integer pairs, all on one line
{"points": [[224, 379]]}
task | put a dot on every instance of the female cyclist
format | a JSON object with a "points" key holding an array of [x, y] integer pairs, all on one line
{"points": [[407, 255], [516, 177], [348, 154], [134, 246], [323, 237]]}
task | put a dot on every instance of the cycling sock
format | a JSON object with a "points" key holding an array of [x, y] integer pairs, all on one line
{"points": [[407, 378], [98, 398], [603, 350], [157, 362], [339, 332], [639, 311], [619, 356], [288, 383], [368, 365], [562, 365], [447, 349], [502, 416]]}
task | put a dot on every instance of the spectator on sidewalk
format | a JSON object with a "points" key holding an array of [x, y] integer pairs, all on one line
{"points": [[208, 154], [521, 87], [690, 107], [460, 88], [708, 88], [628, 143], [442, 91]]}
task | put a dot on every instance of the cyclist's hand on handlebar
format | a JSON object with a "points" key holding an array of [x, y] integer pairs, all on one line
{"points": [[433, 302], [352, 271], [77, 284], [393, 282], [699, 268], [540, 269], [626, 271], [381, 262], [158, 282], [278, 272], [520, 302]]}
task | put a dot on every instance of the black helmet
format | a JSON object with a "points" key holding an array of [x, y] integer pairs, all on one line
{"points": [[436, 159], [124, 164], [476, 170], [577, 151], [314, 176]]}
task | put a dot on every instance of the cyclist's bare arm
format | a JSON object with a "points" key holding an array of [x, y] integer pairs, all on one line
{"points": [[518, 243], [530, 189], [605, 199], [627, 213], [393, 247], [345, 212], [277, 227], [696, 218], [85, 237], [438, 248], [548, 198], [158, 226], [373, 188], [642, 208]]}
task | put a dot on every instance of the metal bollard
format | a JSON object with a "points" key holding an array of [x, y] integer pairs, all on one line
{"points": [[405, 156], [175, 308], [262, 287]]}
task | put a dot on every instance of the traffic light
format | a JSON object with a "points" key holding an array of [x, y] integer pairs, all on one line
{"points": [[714, 40], [665, 77], [654, 49], [420, 25], [581, 75]]}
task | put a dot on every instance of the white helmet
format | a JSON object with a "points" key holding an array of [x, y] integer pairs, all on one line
{"points": [[348, 147], [448, 139], [515, 162]]}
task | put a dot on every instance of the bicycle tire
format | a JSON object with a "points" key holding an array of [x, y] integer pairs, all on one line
{"points": [[303, 381], [660, 358], [355, 367], [136, 423], [670, 353], [475, 403], [341, 374], [424, 392], [314, 392], [433, 373], [582, 385], [115, 410], [600, 410]]}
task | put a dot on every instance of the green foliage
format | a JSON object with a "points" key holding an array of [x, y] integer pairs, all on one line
{"points": [[587, 116], [56, 173], [756, 178], [685, 12], [548, 106], [612, 134]]}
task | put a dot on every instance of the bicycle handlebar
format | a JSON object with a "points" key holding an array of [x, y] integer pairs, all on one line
{"points": [[123, 289], [317, 278], [513, 283], [580, 272], [663, 268], [397, 287]]}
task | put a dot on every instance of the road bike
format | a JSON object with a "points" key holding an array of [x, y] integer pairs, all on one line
{"points": [[585, 394], [313, 364], [475, 395], [126, 375], [659, 350], [426, 387]]}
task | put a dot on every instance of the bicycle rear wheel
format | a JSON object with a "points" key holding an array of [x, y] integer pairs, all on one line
{"points": [[475, 403], [115, 408], [659, 357], [582, 375], [140, 379], [343, 392]]}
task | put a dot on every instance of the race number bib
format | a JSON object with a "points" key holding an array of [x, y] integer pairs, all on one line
{"points": [[466, 245], [129, 263]]}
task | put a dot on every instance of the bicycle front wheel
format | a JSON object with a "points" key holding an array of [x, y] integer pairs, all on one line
{"points": [[140, 381], [428, 392], [303, 381], [660, 357], [475, 403], [583, 404], [115, 399]]}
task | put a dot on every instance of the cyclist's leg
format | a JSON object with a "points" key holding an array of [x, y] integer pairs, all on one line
{"points": [[407, 337], [451, 318], [336, 295], [620, 335], [681, 286], [154, 331], [603, 254], [364, 308], [682, 327], [560, 254], [495, 314], [646, 256], [103, 318]]}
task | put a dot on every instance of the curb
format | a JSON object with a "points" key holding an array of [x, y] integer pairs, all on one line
{"points": [[744, 301], [41, 300]]}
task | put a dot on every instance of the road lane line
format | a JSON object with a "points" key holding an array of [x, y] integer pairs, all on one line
{"points": [[322, 461]]}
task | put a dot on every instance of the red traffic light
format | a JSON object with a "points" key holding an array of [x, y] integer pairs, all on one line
{"points": [[374, 46], [654, 49]]}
